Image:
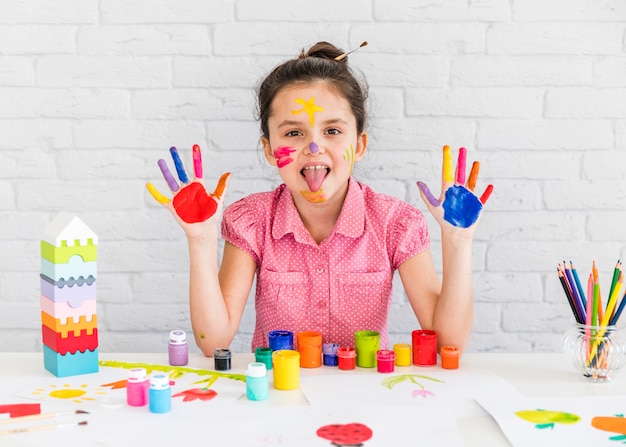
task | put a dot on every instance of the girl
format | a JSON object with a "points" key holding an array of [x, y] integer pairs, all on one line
{"points": [[323, 246]]}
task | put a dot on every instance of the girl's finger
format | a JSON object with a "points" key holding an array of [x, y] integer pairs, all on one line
{"points": [[426, 192], [197, 161], [488, 190], [221, 186], [461, 166], [156, 194], [446, 169], [167, 175], [471, 181], [180, 169]]}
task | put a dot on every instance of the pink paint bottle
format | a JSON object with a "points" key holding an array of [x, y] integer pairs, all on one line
{"points": [[137, 387], [385, 360]]}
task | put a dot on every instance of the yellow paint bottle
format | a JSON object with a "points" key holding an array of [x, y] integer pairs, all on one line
{"points": [[403, 354], [286, 369]]}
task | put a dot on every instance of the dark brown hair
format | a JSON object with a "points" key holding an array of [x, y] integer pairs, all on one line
{"points": [[317, 64]]}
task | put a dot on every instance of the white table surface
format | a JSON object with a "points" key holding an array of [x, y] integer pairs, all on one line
{"points": [[540, 374]]}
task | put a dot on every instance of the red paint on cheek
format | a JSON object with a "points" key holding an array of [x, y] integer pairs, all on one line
{"points": [[283, 156], [193, 204]]}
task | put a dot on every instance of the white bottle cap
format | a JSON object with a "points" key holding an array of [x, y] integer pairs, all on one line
{"points": [[257, 369], [159, 382], [137, 374], [178, 337]]}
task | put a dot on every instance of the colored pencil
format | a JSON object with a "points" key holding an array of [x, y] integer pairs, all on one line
{"points": [[580, 308], [579, 286], [596, 296], [619, 310], [568, 294]]}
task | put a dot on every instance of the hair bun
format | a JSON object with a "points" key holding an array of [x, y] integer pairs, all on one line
{"points": [[323, 50]]}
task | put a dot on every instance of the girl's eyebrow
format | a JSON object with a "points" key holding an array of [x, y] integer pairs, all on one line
{"points": [[300, 123]]}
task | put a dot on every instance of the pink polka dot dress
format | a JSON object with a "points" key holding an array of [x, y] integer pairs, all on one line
{"points": [[338, 287]]}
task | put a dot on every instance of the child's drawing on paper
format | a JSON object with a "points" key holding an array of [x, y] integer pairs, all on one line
{"points": [[547, 418], [614, 424], [392, 381], [75, 393], [353, 434]]}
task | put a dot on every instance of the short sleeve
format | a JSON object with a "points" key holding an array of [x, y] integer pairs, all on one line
{"points": [[240, 227], [409, 235]]}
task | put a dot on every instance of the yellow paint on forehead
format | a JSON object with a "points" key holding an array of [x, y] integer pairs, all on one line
{"points": [[309, 107]]}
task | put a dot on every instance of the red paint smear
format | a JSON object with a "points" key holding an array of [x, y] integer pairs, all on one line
{"points": [[193, 204], [17, 410], [196, 394]]}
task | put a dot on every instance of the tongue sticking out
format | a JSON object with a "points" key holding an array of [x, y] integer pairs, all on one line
{"points": [[314, 178]]}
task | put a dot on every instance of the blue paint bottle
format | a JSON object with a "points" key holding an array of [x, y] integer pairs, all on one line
{"points": [[160, 394], [280, 340], [257, 386], [329, 353]]}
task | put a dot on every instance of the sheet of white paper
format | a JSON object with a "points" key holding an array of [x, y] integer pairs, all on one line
{"points": [[421, 388], [562, 421]]}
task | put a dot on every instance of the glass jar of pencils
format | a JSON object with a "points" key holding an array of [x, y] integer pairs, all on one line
{"points": [[597, 352]]}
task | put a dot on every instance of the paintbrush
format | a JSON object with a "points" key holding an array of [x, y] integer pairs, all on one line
{"points": [[34, 417], [41, 427]]}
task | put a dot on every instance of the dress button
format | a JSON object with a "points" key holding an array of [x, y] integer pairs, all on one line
{"points": [[320, 269], [321, 304]]}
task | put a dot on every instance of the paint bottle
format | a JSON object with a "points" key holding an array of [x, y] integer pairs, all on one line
{"points": [[257, 387], [286, 369], [450, 357], [385, 360], [367, 344], [137, 387], [160, 393], [178, 349], [346, 358], [310, 349], [222, 359], [280, 340], [264, 355], [403, 354], [329, 354], [424, 347]]}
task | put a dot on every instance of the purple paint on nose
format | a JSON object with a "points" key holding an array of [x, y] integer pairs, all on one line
{"points": [[314, 148]]}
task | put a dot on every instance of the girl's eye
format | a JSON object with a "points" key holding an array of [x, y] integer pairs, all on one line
{"points": [[293, 133], [333, 131]]}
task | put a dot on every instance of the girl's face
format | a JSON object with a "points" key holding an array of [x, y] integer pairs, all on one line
{"points": [[313, 141]]}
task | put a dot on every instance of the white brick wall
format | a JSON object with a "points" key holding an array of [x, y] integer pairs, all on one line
{"points": [[93, 92]]}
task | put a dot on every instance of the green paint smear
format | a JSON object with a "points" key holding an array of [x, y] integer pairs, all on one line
{"points": [[175, 371], [392, 381]]}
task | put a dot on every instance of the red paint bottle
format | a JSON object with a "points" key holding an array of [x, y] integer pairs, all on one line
{"points": [[424, 347], [346, 358]]}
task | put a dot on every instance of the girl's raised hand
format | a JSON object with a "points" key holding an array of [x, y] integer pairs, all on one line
{"points": [[457, 205], [191, 202]]}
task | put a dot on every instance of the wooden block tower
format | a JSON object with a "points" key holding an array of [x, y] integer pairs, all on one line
{"points": [[68, 297]]}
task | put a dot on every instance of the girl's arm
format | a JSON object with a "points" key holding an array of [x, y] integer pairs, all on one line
{"points": [[447, 306], [216, 298]]}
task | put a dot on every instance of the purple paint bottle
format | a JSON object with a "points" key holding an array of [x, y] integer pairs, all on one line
{"points": [[178, 350], [137, 387]]}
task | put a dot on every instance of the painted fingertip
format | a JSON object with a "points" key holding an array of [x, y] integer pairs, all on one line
{"points": [[197, 161], [167, 175], [178, 163], [461, 166], [429, 196], [156, 194], [221, 185], [447, 165], [473, 177], [483, 199]]}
